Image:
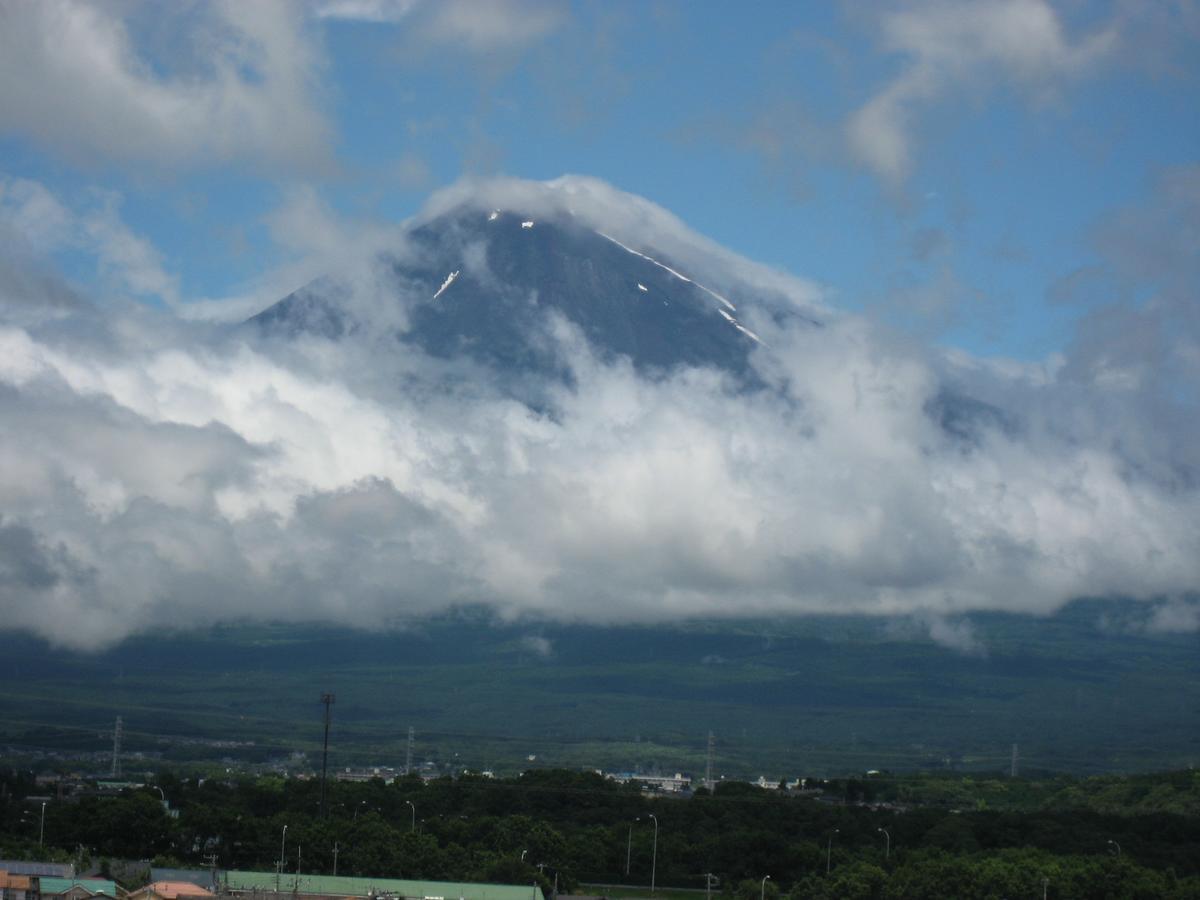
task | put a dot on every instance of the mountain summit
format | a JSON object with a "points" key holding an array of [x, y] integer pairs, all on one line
{"points": [[493, 284]]}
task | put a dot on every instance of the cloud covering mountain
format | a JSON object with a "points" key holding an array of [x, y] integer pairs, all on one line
{"points": [[156, 472]]}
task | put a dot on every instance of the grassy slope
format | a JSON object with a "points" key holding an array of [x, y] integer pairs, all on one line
{"points": [[808, 696]]}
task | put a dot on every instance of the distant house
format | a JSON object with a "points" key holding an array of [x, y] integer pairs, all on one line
{"points": [[206, 878], [251, 885], [78, 888], [170, 890], [30, 867], [18, 887]]}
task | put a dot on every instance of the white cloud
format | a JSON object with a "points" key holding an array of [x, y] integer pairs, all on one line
{"points": [[154, 475], [956, 47], [124, 260], [478, 26], [1175, 616], [73, 78]]}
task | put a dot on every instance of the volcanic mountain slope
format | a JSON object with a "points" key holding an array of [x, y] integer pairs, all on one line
{"points": [[489, 285]]}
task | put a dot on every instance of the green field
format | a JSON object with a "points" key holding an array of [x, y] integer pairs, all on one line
{"points": [[816, 696]]}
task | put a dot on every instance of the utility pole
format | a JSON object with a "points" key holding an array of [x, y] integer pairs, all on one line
{"points": [[654, 855], [1016, 757], [708, 779], [327, 699], [116, 760], [335, 853], [408, 754]]}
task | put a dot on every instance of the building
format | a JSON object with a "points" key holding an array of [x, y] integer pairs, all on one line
{"points": [[670, 784], [206, 878], [30, 867], [18, 887], [78, 888], [262, 885], [170, 890]]}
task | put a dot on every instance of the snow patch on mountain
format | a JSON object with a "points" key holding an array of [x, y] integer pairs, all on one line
{"points": [[678, 275], [633, 221], [445, 284]]}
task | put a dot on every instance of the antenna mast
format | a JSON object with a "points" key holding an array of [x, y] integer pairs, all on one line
{"points": [[116, 760], [408, 754], [708, 779], [327, 699]]}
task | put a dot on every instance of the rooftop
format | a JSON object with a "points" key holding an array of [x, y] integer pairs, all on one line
{"points": [[347, 886]]}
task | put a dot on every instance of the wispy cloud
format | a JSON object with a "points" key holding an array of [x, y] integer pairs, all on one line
{"points": [[477, 26], [74, 78], [955, 48]]}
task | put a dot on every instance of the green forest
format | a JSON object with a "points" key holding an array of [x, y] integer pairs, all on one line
{"points": [[879, 837]]}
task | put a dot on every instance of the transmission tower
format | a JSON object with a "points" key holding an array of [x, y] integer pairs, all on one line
{"points": [[708, 779], [327, 699], [1016, 758], [116, 760], [408, 753]]}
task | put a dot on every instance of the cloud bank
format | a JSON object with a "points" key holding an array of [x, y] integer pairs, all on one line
{"points": [[158, 473], [77, 78]]}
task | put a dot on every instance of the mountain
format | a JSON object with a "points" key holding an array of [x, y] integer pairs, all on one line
{"points": [[489, 284]]}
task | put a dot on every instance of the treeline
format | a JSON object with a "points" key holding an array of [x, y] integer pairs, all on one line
{"points": [[578, 828], [1165, 792]]}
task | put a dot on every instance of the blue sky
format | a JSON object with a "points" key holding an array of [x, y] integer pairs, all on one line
{"points": [[1010, 132], [992, 205]]}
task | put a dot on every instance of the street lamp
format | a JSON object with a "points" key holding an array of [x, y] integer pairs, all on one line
{"points": [[282, 857], [762, 889], [654, 856], [829, 852], [335, 853], [42, 827], [413, 826], [523, 852], [887, 847], [542, 866], [1110, 840]]}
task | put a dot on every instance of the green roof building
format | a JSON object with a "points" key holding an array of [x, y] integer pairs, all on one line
{"points": [[63, 886], [400, 888]]}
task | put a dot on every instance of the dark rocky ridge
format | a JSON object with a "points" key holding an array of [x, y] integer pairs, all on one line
{"points": [[510, 278]]}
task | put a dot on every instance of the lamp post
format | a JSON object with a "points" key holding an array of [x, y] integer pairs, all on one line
{"points": [[829, 852], [413, 826], [335, 853], [762, 888], [523, 852], [1110, 840], [654, 855], [542, 866], [628, 847], [282, 858], [887, 847], [42, 826]]}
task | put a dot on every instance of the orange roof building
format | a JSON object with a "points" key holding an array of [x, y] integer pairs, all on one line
{"points": [[15, 887], [170, 890]]}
